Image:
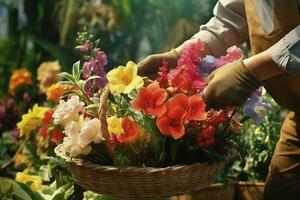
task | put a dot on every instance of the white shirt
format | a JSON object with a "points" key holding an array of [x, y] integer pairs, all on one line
{"points": [[229, 27]]}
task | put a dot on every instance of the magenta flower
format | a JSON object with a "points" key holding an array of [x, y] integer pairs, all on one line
{"points": [[95, 67], [2, 112], [10, 103], [85, 47]]}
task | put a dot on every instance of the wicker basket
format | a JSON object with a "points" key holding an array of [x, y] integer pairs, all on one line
{"points": [[138, 182]]}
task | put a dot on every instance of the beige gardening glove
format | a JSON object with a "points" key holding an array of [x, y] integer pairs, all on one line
{"points": [[149, 65], [230, 85]]}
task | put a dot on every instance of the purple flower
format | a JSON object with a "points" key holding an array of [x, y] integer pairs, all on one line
{"points": [[256, 108], [26, 97], [85, 48], [16, 133], [95, 67], [207, 65], [10, 103], [2, 112]]}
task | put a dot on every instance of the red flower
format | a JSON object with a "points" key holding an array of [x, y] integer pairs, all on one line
{"points": [[47, 117], [196, 108], [181, 82], [44, 132], [185, 78], [218, 117], [207, 137], [56, 136], [151, 100], [163, 74], [172, 122], [131, 131], [113, 141]]}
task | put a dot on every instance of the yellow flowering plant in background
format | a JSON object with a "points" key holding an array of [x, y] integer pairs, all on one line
{"points": [[34, 181], [124, 79], [31, 120], [48, 74]]}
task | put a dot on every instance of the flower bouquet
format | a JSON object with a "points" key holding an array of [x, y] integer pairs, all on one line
{"points": [[129, 137]]}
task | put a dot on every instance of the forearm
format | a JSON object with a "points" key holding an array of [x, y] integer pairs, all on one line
{"points": [[226, 28], [262, 66]]}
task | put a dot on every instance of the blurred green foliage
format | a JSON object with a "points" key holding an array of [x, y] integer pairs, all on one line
{"points": [[256, 145], [41, 30]]}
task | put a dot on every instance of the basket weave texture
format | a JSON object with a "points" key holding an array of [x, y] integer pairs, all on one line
{"points": [[141, 182], [138, 182]]}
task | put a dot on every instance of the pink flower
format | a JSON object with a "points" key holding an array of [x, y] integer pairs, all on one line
{"points": [[163, 74], [233, 53]]}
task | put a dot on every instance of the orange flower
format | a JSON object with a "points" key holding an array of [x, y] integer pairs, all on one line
{"points": [[172, 122], [55, 91], [18, 78], [151, 100], [181, 82], [131, 131], [196, 108], [181, 109]]}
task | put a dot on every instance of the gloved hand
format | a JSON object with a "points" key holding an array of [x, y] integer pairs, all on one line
{"points": [[149, 65], [230, 85]]}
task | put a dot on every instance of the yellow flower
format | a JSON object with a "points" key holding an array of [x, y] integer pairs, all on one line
{"points": [[34, 181], [20, 159], [47, 75], [18, 78], [114, 125], [124, 79], [31, 120]]}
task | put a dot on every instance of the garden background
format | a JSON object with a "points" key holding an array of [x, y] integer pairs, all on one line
{"points": [[33, 32]]}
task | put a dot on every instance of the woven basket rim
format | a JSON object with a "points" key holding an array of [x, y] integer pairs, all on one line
{"points": [[59, 150]]}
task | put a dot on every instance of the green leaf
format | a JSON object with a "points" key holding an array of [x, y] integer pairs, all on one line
{"points": [[6, 187], [67, 76], [76, 70], [20, 193], [23, 192], [132, 94], [68, 93], [81, 84], [65, 83], [45, 173], [93, 77]]}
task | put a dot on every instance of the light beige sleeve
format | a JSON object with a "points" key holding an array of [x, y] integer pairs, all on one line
{"points": [[226, 28]]}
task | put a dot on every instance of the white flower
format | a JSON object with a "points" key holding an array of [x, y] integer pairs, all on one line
{"points": [[72, 142], [91, 132], [68, 111]]}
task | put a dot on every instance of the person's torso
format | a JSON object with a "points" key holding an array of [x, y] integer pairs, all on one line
{"points": [[269, 21]]}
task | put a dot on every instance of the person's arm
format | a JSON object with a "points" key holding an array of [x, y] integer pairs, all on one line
{"points": [[284, 56], [232, 84], [226, 28]]}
